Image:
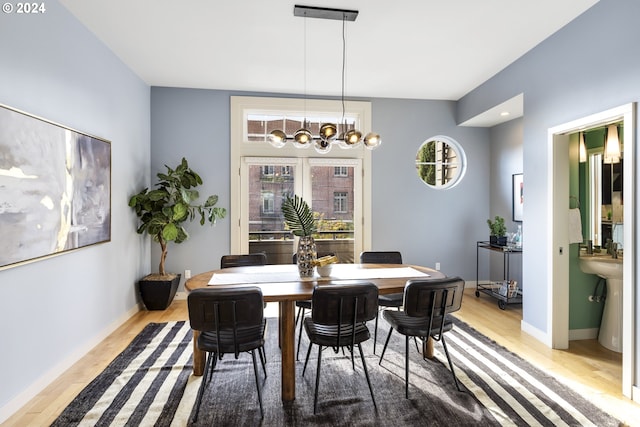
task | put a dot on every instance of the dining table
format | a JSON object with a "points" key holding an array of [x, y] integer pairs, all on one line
{"points": [[282, 283]]}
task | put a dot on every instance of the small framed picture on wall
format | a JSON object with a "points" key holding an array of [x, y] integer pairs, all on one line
{"points": [[518, 197]]}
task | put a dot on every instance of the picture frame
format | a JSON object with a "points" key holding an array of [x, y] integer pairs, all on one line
{"points": [[55, 188], [517, 183]]}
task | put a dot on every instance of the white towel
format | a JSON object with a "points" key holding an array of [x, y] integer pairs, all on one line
{"points": [[575, 226]]}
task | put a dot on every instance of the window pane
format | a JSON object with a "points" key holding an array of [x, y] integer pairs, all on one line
{"points": [[260, 125], [332, 204], [268, 186]]}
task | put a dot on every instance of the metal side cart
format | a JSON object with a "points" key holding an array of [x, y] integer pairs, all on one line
{"points": [[506, 291]]}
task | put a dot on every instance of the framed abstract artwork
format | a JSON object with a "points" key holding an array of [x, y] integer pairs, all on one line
{"points": [[55, 188], [518, 197]]}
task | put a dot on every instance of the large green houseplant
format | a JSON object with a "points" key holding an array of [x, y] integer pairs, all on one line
{"points": [[299, 219], [162, 212]]}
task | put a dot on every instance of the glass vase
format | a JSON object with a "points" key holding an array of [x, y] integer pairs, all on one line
{"points": [[307, 253]]}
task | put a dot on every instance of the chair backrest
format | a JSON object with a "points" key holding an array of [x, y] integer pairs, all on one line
{"points": [[381, 257], [433, 298], [344, 304], [212, 309], [243, 260]]}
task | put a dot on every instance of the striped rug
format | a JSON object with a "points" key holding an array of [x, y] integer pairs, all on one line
{"points": [[150, 384]]}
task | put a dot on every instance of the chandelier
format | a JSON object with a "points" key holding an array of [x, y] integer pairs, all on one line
{"points": [[329, 133]]}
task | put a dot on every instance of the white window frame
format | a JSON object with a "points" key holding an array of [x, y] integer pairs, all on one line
{"points": [[242, 149], [340, 198]]}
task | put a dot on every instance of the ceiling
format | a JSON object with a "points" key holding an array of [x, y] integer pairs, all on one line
{"points": [[423, 49]]}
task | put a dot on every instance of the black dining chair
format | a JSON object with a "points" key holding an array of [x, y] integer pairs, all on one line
{"points": [[304, 305], [338, 320], [228, 321], [388, 300], [427, 305], [244, 260]]}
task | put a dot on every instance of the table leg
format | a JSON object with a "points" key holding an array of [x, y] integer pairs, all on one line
{"points": [[288, 338], [199, 356], [427, 348]]}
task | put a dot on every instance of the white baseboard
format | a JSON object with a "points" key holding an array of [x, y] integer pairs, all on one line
{"points": [[536, 333], [583, 334], [181, 295], [635, 392], [41, 383]]}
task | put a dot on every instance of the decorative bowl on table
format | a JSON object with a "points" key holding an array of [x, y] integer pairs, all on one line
{"points": [[324, 270]]}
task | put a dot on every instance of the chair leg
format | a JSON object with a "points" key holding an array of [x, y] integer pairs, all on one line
{"points": [[298, 314], [263, 360], [446, 352], [206, 377], [300, 332], [306, 360], [366, 374], [385, 346], [315, 397], [406, 366], [375, 333], [255, 372], [214, 363]]}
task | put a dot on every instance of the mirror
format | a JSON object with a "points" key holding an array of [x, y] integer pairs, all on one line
{"points": [[603, 184], [440, 162]]}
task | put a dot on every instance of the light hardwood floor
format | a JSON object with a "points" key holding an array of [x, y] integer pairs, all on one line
{"points": [[585, 366]]}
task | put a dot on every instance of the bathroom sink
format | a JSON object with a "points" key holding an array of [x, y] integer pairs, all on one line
{"points": [[610, 333], [603, 265]]}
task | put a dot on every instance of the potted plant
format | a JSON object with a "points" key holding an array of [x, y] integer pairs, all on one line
{"points": [[162, 212], [498, 231], [299, 219]]}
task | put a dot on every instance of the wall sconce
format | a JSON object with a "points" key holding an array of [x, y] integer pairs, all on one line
{"points": [[583, 149], [612, 145]]}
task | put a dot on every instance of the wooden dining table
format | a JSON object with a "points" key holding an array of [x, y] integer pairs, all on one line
{"points": [[282, 284]]}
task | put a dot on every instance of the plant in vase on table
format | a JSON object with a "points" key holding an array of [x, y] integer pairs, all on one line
{"points": [[498, 231], [299, 219], [162, 212]]}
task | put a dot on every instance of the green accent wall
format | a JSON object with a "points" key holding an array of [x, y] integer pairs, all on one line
{"points": [[583, 314]]}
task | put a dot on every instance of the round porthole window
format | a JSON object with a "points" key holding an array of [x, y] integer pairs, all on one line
{"points": [[441, 162]]}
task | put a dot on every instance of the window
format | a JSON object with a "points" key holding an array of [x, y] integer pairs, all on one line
{"points": [[268, 203], [440, 162], [262, 176], [258, 126], [340, 202], [341, 171]]}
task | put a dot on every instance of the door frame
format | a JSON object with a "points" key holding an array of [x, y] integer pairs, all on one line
{"points": [[558, 191], [241, 147]]}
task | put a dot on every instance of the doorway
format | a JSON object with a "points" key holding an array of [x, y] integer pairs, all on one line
{"points": [[558, 141]]}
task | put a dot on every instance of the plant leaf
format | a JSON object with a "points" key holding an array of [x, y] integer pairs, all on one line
{"points": [[170, 232], [298, 216]]}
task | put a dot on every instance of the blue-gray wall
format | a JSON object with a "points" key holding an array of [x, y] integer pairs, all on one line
{"points": [[194, 124], [53, 311], [428, 225], [559, 88]]}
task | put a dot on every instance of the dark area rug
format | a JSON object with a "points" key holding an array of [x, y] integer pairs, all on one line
{"points": [[150, 384]]}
